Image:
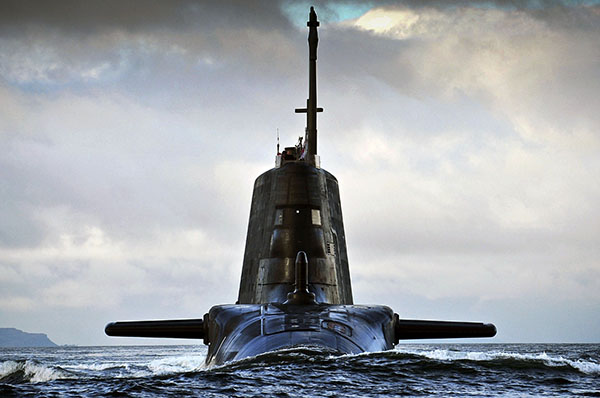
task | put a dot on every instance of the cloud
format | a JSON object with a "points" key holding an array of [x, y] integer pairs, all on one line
{"points": [[96, 16], [508, 199], [535, 71], [464, 138]]}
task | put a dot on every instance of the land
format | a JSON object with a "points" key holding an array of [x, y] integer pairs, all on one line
{"points": [[11, 337]]}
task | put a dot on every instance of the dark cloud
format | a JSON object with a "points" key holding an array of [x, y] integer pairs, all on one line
{"points": [[139, 15], [152, 15], [502, 4]]}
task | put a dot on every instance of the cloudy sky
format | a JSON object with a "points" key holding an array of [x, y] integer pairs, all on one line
{"points": [[465, 137]]}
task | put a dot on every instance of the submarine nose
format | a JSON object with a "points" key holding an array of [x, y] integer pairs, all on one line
{"points": [[301, 295]]}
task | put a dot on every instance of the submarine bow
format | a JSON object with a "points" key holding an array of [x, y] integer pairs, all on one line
{"points": [[295, 287]]}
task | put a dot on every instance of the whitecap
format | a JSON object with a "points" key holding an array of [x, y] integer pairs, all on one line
{"points": [[581, 365], [96, 366], [180, 364], [32, 371], [586, 366], [8, 367]]}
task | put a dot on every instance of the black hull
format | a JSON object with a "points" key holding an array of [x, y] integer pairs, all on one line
{"points": [[241, 331]]}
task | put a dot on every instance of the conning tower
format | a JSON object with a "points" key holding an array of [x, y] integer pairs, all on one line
{"points": [[296, 207]]}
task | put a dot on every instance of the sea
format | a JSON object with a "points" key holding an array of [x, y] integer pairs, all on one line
{"points": [[410, 370]]}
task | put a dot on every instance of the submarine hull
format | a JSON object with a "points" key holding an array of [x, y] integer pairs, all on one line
{"points": [[240, 331]]}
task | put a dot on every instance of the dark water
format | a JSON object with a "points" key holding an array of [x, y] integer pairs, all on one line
{"points": [[483, 370]]}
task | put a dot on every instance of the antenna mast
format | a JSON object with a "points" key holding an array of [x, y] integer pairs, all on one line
{"points": [[311, 103]]}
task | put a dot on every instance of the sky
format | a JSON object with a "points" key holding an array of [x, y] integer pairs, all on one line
{"points": [[465, 136]]}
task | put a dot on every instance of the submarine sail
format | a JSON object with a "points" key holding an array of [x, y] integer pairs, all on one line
{"points": [[295, 287]]}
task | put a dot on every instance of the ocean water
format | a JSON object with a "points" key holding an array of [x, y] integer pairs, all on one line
{"points": [[460, 370]]}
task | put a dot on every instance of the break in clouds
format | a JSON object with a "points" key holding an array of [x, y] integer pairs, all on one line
{"points": [[465, 139]]}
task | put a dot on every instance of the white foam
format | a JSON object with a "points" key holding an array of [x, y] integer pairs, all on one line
{"points": [[32, 371], [585, 366], [180, 364], [8, 367], [137, 374], [449, 355], [96, 366]]}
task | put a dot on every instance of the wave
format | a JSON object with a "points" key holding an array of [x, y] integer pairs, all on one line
{"points": [[426, 360], [541, 358], [158, 367], [297, 354], [14, 372], [98, 366], [419, 357], [29, 371], [411, 360], [178, 364]]}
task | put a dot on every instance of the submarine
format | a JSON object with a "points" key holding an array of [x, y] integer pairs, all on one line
{"points": [[295, 288]]}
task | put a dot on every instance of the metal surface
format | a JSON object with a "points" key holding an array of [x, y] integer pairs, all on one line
{"points": [[301, 295], [175, 328], [409, 329], [285, 203], [295, 285], [241, 331], [311, 103]]}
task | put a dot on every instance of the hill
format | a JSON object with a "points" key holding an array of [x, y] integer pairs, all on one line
{"points": [[11, 337]]}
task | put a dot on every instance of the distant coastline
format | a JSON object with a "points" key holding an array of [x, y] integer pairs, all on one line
{"points": [[12, 337]]}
